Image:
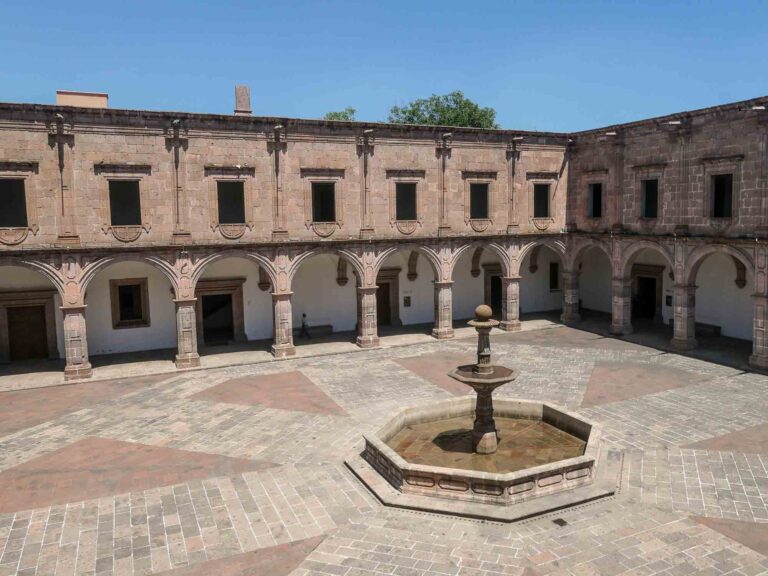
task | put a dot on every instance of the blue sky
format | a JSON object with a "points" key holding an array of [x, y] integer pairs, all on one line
{"points": [[543, 65]]}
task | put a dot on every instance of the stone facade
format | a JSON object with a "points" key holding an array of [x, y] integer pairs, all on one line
{"points": [[67, 156]]}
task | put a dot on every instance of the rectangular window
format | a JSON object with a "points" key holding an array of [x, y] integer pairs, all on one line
{"points": [[595, 206], [323, 202], [554, 276], [405, 201], [231, 197], [649, 201], [541, 200], [130, 302], [13, 204], [124, 203], [478, 201], [722, 195]]}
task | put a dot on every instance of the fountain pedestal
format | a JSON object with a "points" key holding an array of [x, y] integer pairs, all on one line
{"points": [[484, 378]]}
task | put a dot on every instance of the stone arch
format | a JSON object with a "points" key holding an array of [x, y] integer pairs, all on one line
{"points": [[348, 255], [156, 261], [430, 255], [46, 270], [579, 249], [697, 257], [496, 248], [557, 246], [630, 254], [263, 262]]}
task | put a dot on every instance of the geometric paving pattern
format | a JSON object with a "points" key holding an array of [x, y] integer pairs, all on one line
{"points": [[95, 467], [283, 390], [239, 470], [617, 381]]}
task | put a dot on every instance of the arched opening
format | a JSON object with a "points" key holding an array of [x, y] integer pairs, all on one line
{"points": [[651, 281], [406, 294], [594, 270], [324, 300], [476, 278], [233, 305], [31, 327], [723, 303], [541, 283], [130, 308]]}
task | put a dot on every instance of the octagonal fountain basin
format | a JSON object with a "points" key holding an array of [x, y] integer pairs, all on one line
{"points": [[542, 450]]}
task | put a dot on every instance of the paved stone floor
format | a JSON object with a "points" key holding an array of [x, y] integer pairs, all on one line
{"points": [[238, 470]]}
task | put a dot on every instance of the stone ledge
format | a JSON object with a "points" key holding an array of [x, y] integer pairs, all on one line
{"points": [[606, 485]]}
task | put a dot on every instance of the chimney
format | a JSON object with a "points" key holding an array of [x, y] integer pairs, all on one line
{"points": [[242, 100], [82, 99]]}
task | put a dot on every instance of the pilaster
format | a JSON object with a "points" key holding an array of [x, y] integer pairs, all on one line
{"points": [[186, 334], [570, 313], [283, 325], [75, 344], [510, 304], [685, 317], [367, 326], [759, 357], [443, 310], [621, 306]]}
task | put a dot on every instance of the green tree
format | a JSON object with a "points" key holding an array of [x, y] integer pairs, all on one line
{"points": [[347, 114], [452, 109]]}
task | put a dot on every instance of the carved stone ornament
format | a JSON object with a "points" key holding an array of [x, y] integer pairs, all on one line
{"points": [[406, 226], [13, 236], [542, 223], [232, 231], [720, 225], [126, 233], [480, 225], [324, 229]]}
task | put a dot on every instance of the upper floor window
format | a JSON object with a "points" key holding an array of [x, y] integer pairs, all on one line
{"points": [[595, 200], [124, 203], [541, 200], [405, 201], [231, 199], [478, 201], [13, 202], [649, 198], [722, 195], [323, 202]]}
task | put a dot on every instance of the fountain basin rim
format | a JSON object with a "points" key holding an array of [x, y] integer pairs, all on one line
{"points": [[501, 375]]}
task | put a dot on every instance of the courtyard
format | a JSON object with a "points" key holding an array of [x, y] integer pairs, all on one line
{"points": [[237, 469]]}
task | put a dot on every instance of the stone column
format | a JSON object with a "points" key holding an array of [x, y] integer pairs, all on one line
{"points": [[186, 334], [759, 357], [443, 310], [283, 325], [685, 317], [621, 321], [367, 326], [75, 343], [570, 313], [510, 304]]}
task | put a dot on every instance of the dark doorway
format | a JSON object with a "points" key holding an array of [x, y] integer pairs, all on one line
{"points": [[496, 295], [27, 332], [645, 301], [383, 305], [218, 320]]}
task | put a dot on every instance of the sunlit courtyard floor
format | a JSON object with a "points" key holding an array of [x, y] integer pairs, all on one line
{"points": [[237, 468]]}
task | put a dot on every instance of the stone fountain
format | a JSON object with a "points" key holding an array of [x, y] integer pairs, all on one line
{"points": [[470, 457], [484, 378]]}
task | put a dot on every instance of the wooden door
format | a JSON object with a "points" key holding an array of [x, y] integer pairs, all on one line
{"points": [[27, 333], [383, 305]]}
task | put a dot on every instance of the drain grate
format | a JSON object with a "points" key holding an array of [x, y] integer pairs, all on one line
{"points": [[560, 522]]}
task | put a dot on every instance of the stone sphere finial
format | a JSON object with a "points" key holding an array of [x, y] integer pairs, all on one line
{"points": [[483, 313]]}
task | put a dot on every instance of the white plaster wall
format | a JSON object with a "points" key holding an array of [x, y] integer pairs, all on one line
{"points": [[257, 304], [469, 292], [535, 295], [421, 290], [720, 302], [15, 278], [316, 293], [667, 286], [161, 333], [595, 281]]}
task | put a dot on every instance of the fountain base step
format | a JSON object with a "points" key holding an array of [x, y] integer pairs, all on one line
{"points": [[606, 484]]}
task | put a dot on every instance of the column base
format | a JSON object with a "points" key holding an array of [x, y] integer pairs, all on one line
{"points": [[570, 317], [80, 372], [442, 333], [283, 350], [759, 362], [367, 341], [620, 330], [510, 325], [683, 344], [187, 361]]}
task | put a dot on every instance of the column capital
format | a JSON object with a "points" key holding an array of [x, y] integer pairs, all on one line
{"points": [[184, 301], [281, 295], [443, 283], [76, 309], [511, 278]]}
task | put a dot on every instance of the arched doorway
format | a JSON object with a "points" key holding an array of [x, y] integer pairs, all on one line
{"points": [[593, 267], [406, 294], [649, 281], [541, 282]]}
